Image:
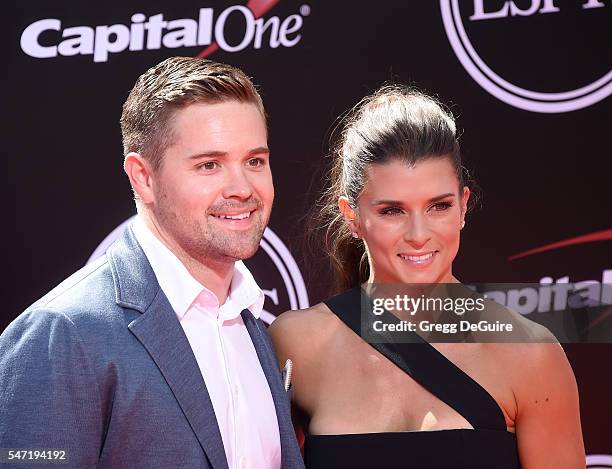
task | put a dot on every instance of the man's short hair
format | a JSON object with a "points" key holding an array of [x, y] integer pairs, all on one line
{"points": [[146, 121]]}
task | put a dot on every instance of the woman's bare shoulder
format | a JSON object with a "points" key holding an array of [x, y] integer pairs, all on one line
{"points": [[303, 318], [530, 355], [536, 365], [304, 330], [524, 330]]}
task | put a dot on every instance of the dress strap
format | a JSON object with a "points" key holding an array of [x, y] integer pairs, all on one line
{"points": [[427, 366]]}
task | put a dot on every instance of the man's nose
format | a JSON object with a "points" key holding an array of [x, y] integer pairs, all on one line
{"points": [[237, 185]]}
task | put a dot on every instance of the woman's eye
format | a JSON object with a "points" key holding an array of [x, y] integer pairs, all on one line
{"points": [[391, 211], [441, 206]]}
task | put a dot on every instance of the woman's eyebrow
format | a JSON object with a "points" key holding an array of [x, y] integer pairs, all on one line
{"points": [[399, 202]]}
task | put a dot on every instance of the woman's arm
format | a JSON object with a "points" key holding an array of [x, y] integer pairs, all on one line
{"points": [[287, 339], [548, 418]]}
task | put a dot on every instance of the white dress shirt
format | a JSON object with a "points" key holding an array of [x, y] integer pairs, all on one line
{"points": [[225, 354]]}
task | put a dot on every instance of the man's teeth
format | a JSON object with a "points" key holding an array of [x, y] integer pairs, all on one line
{"points": [[422, 258], [240, 216]]}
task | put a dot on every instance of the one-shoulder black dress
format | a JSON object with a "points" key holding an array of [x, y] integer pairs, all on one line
{"points": [[488, 445]]}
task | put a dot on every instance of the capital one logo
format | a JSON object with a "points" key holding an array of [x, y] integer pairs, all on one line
{"points": [[590, 91], [273, 267], [557, 295], [48, 38]]}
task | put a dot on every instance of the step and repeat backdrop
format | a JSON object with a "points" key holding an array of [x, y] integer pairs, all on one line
{"points": [[530, 82]]}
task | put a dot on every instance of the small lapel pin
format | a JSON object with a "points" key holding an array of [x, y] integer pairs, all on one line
{"points": [[287, 373]]}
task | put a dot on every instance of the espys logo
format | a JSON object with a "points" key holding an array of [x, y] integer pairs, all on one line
{"points": [[273, 267], [47, 39], [583, 90]]}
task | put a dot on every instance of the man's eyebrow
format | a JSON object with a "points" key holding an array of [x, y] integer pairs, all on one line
{"points": [[222, 154], [399, 202], [259, 151], [208, 154]]}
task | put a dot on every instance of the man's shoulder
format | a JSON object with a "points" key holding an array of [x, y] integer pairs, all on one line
{"points": [[81, 311], [87, 288], [83, 302]]}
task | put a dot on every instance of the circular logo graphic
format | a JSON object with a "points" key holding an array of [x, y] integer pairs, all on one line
{"points": [[518, 96], [599, 461], [273, 267]]}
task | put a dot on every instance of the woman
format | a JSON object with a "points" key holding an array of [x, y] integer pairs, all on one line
{"points": [[395, 209]]}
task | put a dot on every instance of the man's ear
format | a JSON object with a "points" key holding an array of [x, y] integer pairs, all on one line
{"points": [[350, 215], [140, 173]]}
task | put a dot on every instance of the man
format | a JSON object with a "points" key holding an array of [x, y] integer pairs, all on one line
{"points": [[154, 356]]}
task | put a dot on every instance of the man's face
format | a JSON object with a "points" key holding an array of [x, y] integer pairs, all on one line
{"points": [[213, 193]]}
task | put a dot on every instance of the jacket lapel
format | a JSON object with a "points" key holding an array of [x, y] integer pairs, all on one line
{"points": [[290, 452], [161, 334]]}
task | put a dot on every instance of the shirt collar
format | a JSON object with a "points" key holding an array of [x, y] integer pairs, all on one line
{"points": [[244, 294], [182, 289]]}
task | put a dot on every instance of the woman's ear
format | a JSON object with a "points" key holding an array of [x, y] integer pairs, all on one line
{"points": [[350, 215], [464, 201]]}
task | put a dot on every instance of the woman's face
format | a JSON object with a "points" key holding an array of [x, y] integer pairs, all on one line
{"points": [[410, 220]]}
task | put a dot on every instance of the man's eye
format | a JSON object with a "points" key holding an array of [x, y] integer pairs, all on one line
{"points": [[208, 165], [255, 162]]}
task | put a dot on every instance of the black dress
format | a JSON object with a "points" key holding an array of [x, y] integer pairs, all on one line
{"points": [[488, 445]]}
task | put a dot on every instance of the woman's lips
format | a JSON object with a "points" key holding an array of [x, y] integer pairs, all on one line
{"points": [[418, 260]]}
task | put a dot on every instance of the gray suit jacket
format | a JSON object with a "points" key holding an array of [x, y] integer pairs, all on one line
{"points": [[100, 366]]}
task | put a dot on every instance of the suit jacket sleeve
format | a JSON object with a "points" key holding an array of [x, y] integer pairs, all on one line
{"points": [[49, 395]]}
